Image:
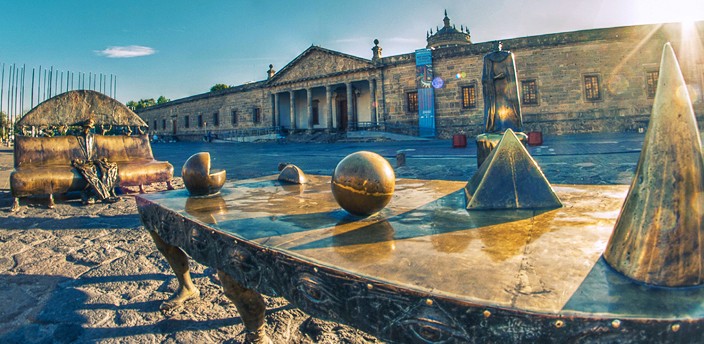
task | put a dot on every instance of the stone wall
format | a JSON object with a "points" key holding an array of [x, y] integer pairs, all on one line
{"points": [[620, 57]]}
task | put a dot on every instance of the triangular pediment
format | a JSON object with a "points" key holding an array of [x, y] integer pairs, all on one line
{"points": [[318, 62]]}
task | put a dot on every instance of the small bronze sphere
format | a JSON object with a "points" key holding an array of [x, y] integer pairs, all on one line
{"points": [[197, 177], [363, 183]]}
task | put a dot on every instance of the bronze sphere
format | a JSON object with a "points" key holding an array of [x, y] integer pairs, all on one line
{"points": [[363, 183], [197, 177]]}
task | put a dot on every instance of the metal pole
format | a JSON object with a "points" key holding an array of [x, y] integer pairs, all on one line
{"points": [[2, 85], [61, 87], [51, 79], [22, 93], [56, 82], [31, 93]]}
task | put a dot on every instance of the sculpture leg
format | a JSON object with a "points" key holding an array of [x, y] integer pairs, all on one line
{"points": [[52, 205], [178, 261], [169, 186], [250, 305], [15, 205], [141, 188]]}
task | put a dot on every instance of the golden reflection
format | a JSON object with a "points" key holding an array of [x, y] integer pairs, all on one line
{"points": [[507, 240], [364, 245], [204, 208]]}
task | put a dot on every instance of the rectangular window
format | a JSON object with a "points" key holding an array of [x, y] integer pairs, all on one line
{"points": [[412, 101], [186, 122], [256, 115], [155, 126], [316, 112], [529, 90], [216, 119], [592, 91], [652, 82], [469, 97], [163, 124], [200, 121], [234, 118]]}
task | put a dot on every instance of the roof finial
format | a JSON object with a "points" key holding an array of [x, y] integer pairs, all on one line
{"points": [[446, 20]]}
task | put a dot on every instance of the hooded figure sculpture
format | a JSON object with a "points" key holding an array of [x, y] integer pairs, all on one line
{"points": [[502, 107]]}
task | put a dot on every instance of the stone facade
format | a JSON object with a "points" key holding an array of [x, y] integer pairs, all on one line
{"points": [[333, 91]]}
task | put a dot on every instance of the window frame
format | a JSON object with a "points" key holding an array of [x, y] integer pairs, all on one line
{"points": [[469, 103], [200, 120], [651, 85], [186, 121], [410, 102], [588, 87], [234, 118], [525, 92], [256, 115], [216, 119]]}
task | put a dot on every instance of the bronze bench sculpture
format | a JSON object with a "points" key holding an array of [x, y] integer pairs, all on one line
{"points": [[43, 165]]}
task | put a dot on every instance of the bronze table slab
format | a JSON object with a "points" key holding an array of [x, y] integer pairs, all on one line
{"points": [[426, 270]]}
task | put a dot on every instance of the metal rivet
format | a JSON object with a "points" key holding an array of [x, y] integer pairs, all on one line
{"points": [[429, 302], [370, 287], [487, 314], [616, 323], [315, 269], [559, 323], [675, 327]]}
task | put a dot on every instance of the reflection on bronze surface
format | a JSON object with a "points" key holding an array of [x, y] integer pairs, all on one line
{"points": [[197, 177], [507, 240], [290, 173], [363, 183], [659, 235], [367, 244], [510, 179], [203, 208]]}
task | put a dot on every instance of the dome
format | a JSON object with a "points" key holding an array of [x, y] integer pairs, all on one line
{"points": [[448, 35]]}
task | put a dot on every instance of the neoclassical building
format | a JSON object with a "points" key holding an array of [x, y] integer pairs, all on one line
{"points": [[600, 80]]}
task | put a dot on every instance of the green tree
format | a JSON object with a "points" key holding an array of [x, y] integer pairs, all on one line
{"points": [[219, 87], [162, 100], [141, 104]]}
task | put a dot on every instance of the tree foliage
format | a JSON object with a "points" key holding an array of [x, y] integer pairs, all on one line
{"points": [[219, 87], [145, 103]]}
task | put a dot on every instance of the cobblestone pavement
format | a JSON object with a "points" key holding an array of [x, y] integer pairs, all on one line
{"points": [[90, 274]]}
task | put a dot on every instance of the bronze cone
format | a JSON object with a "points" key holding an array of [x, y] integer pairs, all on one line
{"points": [[658, 235], [509, 178]]}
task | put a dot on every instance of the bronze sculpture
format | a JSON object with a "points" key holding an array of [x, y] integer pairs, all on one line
{"points": [[363, 183], [198, 178], [659, 235], [502, 106]]}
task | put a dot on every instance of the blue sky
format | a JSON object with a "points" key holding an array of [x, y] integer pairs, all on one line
{"points": [[180, 48]]}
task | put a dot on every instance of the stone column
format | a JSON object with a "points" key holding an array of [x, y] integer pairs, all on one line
{"points": [[350, 108], [309, 95], [276, 110], [372, 101], [293, 110], [328, 108]]}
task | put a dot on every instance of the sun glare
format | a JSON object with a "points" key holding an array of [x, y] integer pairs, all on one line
{"points": [[658, 11]]}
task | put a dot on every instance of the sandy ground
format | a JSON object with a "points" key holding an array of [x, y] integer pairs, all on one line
{"points": [[91, 274]]}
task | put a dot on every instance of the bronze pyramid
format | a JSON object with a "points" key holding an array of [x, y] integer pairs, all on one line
{"points": [[509, 178], [658, 238]]}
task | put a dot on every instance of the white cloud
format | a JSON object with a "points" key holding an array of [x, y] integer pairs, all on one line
{"points": [[126, 52]]}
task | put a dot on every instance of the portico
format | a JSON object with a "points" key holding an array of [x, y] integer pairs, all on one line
{"points": [[328, 97]]}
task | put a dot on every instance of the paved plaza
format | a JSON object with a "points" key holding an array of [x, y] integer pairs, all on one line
{"points": [[90, 274]]}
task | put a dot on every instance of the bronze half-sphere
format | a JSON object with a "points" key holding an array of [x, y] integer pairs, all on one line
{"points": [[197, 177], [363, 183]]}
